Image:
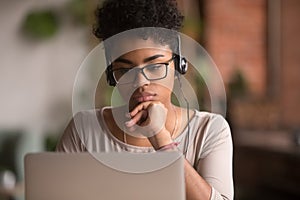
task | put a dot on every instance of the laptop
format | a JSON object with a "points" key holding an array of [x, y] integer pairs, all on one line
{"points": [[108, 176]]}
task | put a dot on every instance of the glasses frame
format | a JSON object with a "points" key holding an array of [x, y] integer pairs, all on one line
{"points": [[141, 70]]}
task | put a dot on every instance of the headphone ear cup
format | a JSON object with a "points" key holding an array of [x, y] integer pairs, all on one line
{"points": [[109, 76], [181, 64]]}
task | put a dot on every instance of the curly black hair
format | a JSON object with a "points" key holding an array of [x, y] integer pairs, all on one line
{"points": [[116, 16]]}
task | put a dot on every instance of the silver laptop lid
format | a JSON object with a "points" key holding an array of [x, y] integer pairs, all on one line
{"points": [[108, 176]]}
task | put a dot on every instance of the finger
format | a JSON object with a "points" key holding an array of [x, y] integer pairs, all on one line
{"points": [[138, 108], [139, 118], [144, 106]]}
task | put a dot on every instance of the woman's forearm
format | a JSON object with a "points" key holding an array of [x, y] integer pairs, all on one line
{"points": [[196, 187]]}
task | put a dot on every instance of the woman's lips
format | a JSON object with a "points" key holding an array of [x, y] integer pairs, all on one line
{"points": [[144, 97]]}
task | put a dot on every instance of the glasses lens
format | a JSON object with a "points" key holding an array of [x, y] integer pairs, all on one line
{"points": [[155, 71], [151, 72], [124, 75]]}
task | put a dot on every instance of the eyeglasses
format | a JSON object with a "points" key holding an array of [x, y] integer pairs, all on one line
{"points": [[151, 72]]}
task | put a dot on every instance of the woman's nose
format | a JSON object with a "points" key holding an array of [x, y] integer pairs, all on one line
{"points": [[140, 79]]}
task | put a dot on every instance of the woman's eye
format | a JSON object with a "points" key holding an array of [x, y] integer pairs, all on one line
{"points": [[120, 72], [123, 70], [154, 67]]}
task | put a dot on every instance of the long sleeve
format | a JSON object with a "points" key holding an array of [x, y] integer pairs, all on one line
{"points": [[215, 163]]}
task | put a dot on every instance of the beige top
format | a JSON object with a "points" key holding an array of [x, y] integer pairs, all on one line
{"points": [[209, 145]]}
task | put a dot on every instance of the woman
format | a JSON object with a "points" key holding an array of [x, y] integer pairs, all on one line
{"points": [[150, 121]]}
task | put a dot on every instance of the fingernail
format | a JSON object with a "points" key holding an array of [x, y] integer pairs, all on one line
{"points": [[128, 115], [128, 123]]}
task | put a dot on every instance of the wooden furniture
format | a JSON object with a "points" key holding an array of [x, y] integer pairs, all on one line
{"points": [[266, 165]]}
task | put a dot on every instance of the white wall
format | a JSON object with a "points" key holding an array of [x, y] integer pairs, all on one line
{"points": [[36, 78]]}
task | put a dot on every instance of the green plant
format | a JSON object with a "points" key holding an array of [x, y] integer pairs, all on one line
{"points": [[237, 85], [51, 141], [40, 24]]}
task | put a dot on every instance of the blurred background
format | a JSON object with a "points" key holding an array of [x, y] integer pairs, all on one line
{"points": [[255, 45]]}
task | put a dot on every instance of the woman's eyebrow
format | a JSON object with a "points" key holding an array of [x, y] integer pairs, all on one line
{"points": [[123, 60], [152, 58]]}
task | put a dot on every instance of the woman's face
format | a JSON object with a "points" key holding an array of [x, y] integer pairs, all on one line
{"points": [[144, 74]]}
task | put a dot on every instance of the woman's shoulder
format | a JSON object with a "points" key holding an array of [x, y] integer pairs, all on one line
{"points": [[91, 113], [208, 117], [213, 126], [214, 131], [88, 119]]}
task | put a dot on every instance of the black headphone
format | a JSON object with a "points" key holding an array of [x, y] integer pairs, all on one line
{"points": [[109, 76], [181, 64]]}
